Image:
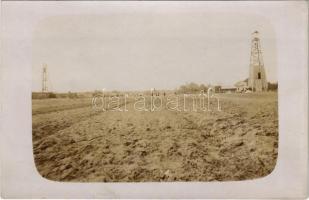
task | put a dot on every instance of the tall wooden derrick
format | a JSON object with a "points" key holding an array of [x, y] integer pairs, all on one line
{"points": [[44, 79], [257, 76]]}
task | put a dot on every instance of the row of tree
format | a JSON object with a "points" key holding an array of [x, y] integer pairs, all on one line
{"points": [[51, 95], [192, 88], [196, 88]]}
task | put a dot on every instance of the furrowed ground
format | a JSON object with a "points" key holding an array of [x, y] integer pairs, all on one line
{"points": [[74, 142]]}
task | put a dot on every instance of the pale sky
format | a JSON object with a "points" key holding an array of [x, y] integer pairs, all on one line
{"points": [[149, 48]]}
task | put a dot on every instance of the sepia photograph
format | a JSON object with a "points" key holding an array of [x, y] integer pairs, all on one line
{"points": [[155, 95], [154, 99]]}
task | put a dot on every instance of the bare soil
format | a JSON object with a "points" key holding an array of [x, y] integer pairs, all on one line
{"points": [[73, 142]]}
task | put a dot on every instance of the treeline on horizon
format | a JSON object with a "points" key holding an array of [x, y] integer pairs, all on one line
{"points": [[196, 88], [188, 88]]}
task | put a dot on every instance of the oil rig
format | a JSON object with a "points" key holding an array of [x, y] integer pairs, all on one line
{"points": [[44, 79], [257, 81]]}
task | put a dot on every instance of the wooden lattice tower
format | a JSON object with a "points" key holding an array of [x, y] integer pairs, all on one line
{"points": [[44, 79], [257, 76]]}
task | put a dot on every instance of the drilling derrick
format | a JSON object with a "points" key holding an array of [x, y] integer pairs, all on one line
{"points": [[257, 77], [44, 79]]}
